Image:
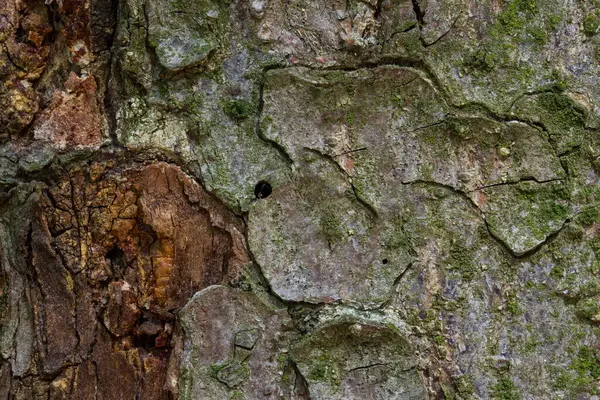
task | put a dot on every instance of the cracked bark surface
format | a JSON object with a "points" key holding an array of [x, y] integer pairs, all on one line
{"points": [[353, 199]]}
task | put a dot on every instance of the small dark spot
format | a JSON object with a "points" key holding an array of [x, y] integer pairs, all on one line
{"points": [[147, 342], [21, 35], [384, 261], [116, 256], [262, 190]]}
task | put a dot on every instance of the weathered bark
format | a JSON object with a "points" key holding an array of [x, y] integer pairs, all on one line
{"points": [[347, 199]]}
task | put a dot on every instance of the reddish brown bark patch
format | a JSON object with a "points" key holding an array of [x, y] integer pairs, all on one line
{"points": [[76, 30], [23, 56], [113, 254], [65, 35], [73, 119]]}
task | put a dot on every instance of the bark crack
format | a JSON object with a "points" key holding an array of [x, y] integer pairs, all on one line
{"points": [[443, 35], [277, 146], [370, 209], [419, 12], [481, 214], [521, 180]]}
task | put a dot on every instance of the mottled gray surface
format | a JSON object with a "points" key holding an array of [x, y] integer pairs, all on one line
{"points": [[431, 229]]}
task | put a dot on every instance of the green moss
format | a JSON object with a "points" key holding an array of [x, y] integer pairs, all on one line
{"points": [[587, 364], [448, 391], [595, 268], [214, 369], [538, 34], [481, 60], [324, 369], [531, 344], [439, 340], [505, 389], [589, 288], [551, 206], [283, 364], [237, 395], [464, 385], [587, 308], [511, 18], [591, 23], [588, 216], [331, 228], [562, 117], [413, 46], [238, 109], [282, 358], [559, 83], [520, 22], [530, 284], [186, 379], [558, 272], [350, 116], [561, 110], [582, 374], [553, 21], [394, 237], [461, 258], [514, 17], [512, 305], [526, 75]]}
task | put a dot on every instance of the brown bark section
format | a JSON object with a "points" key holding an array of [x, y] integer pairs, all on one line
{"points": [[73, 117], [112, 254], [45, 45]]}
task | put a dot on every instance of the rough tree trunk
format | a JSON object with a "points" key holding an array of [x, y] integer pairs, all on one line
{"points": [[326, 199]]}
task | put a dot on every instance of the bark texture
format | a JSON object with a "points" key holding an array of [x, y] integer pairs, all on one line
{"points": [[299, 199]]}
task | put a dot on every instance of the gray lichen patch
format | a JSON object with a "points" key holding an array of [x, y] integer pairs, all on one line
{"points": [[388, 126], [336, 112], [418, 182], [218, 322], [202, 121], [469, 153], [316, 241], [493, 54], [525, 214], [185, 34], [357, 360], [408, 140]]}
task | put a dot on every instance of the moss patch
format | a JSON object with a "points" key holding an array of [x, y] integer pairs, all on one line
{"points": [[523, 215], [325, 369], [591, 23], [582, 374], [588, 217], [505, 389], [562, 112], [238, 109]]}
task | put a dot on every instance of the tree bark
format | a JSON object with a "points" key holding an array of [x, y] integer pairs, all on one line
{"points": [[347, 199]]}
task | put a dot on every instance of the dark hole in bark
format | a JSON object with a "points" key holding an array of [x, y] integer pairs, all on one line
{"points": [[262, 190], [384, 261], [21, 35], [151, 333], [147, 342], [116, 256]]}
